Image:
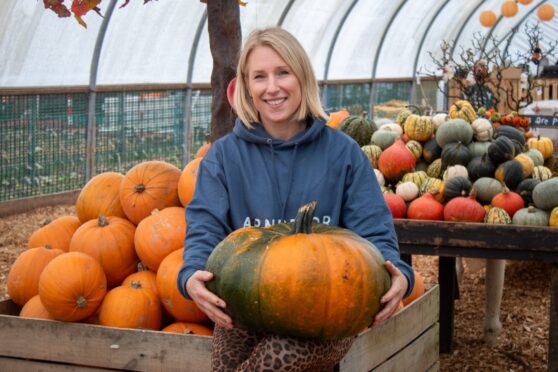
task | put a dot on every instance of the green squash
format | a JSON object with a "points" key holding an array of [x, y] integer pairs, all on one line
{"points": [[360, 128]]}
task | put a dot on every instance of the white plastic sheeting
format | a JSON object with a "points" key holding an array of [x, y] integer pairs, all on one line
{"points": [[152, 44]]}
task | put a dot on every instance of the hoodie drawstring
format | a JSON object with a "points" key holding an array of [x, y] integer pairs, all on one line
{"points": [[277, 191]]}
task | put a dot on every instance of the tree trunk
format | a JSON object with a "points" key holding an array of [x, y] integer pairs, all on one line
{"points": [[223, 19]]}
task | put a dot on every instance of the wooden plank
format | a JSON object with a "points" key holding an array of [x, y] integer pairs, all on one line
{"points": [[25, 365], [11, 207], [420, 355], [104, 347], [434, 368], [374, 346]]}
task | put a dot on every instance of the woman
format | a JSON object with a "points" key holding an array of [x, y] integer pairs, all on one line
{"points": [[280, 156]]}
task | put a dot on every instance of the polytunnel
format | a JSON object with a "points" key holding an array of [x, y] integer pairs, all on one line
{"points": [[149, 67]]}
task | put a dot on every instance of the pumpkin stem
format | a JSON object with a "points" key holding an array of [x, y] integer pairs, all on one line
{"points": [[415, 108], [81, 302], [136, 284], [102, 221], [139, 188], [188, 331], [47, 246], [142, 267], [304, 218]]}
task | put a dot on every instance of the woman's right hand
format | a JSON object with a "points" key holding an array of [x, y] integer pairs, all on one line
{"points": [[208, 302]]}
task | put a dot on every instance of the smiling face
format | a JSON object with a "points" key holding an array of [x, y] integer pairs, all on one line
{"points": [[275, 90]]}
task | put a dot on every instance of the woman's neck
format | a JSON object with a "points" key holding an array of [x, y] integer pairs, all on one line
{"points": [[285, 131]]}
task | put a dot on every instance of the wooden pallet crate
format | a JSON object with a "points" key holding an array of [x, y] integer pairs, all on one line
{"points": [[406, 341]]}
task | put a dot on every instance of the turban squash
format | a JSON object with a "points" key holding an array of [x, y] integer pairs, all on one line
{"points": [[299, 279]]}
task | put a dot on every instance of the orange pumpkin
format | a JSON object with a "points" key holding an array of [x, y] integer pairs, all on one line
{"points": [[131, 307], [509, 8], [335, 118], [34, 308], [57, 234], [23, 278], [100, 195], [72, 286], [188, 328], [543, 144], [545, 12], [488, 18], [146, 278], [110, 240], [418, 289], [176, 305], [149, 185], [203, 150], [159, 234], [187, 181]]}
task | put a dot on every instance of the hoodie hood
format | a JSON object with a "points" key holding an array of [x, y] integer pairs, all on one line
{"points": [[259, 135]]}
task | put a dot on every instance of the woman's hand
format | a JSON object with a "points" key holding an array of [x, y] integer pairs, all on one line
{"points": [[207, 302], [393, 296]]}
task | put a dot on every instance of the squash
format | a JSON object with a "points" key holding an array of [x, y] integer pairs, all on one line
{"points": [[23, 278], [131, 306], [464, 209], [415, 147], [360, 128], [463, 110], [531, 216], [509, 201], [526, 163], [383, 138], [457, 186], [455, 153], [482, 130], [396, 205], [72, 286], [426, 208], [536, 156], [479, 148], [525, 189], [541, 173], [159, 234], [402, 116], [257, 271], [433, 186], [395, 161], [501, 150], [379, 177], [418, 128], [431, 151], [553, 220], [455, 171], [174, 303], [188, 328], [110, 240], [373, 153], [497, 216], [407, 190], [56, 234], [34, 308], [434, 170], [545, 194], [149, 185], [480, 166], [417, 177], [146, 278], [418, 289], [454, 130], [100, 195], [187, 181], [487, 188], [337, 117], [438, 120], [510, 173], [543, 144], [510, 132], [392, 127]]}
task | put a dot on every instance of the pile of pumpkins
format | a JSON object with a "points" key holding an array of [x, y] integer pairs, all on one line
{"points": [[460, 165], [116, 262]]}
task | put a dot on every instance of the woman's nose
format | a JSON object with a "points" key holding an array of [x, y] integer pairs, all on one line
{"points": [[272, 85]]}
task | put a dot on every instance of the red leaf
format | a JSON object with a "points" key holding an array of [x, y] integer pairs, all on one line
{"points": [[57, 7], [81, 7]]}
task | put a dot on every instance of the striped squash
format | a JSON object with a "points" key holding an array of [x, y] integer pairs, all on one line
{"points": [[418, 128], [462, 109]]}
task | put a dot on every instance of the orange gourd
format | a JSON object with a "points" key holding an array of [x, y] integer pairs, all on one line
{"points": [[335, 118], [159, 234], [487, 18], [23, 278], [188, 328], [131, 307], [543, 144], [525, 2], [110, 240], [34, 308], [395, 161], [187, 181], [203, 150], [545, 12], [100, 195], [149, 185], [57, 234], [418, 289], [72, 286], [146, 278], [174, 303], [509, 8]]}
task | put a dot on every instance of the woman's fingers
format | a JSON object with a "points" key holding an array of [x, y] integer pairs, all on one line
{"points": [[207, 301]]}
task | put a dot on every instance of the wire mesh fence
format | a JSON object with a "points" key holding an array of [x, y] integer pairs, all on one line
{"points": [[44, 144]]}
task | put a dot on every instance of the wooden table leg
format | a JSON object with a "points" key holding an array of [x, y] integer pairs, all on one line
{"points": [[553, 328], [446, 280]]}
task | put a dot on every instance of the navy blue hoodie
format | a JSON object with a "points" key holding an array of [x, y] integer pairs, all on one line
{"points": [[248, 178]]}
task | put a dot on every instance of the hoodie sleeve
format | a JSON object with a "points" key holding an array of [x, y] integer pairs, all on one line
{"points": [[206, 218], [366, 213]]}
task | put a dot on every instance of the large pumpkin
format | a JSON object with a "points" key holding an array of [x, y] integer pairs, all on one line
{"points": [[72, 286], [56, 234], [149, 185], [160, 234], [187, 181], [23, 278], [110, 240], [273, 279], [100, 195]]}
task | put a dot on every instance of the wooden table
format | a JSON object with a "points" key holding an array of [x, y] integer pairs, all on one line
{"points": [[449, 240]]}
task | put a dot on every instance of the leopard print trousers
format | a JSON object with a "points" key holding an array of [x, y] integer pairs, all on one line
{"points": [[242, 350]]}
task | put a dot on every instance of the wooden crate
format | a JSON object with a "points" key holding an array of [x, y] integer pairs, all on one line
{"points": [[408, 340]]}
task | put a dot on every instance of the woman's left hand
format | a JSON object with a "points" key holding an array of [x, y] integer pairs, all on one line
{"points": [[393, 296]]}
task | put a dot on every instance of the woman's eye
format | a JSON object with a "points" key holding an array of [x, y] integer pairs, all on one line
{"points": [[283, 72]]}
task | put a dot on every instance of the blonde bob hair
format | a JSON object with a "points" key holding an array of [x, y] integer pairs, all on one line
{"points": [[290, 50]]}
